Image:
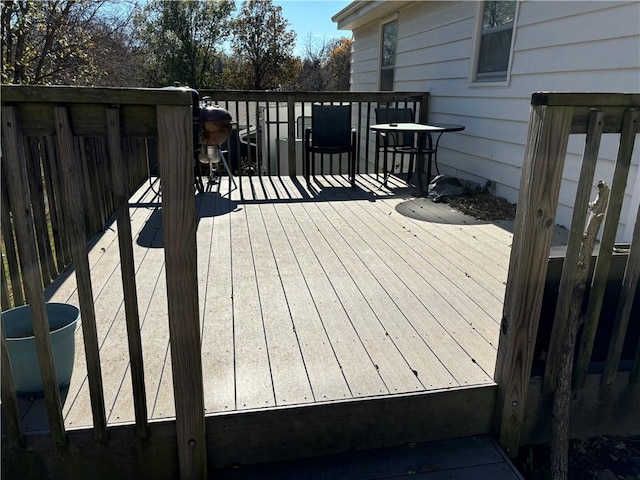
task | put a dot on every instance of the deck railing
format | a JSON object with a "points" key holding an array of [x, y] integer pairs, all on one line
{"points": [[70, 159], [273, 123], [64, 115], [269, 123], [523, 408]]}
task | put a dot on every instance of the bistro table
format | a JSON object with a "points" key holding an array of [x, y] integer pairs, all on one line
{"points": [[421, 129]]}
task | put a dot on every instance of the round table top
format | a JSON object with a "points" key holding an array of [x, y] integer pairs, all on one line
{"points": [[417, 127]]}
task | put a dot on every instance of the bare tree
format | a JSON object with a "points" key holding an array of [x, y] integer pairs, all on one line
{"points": [[325, 64], [65, 41]]}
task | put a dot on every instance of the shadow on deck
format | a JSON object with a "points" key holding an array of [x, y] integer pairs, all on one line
{"points": [[333, 319]]}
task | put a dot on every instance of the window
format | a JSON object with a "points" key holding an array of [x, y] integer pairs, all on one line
{"points": [[388, 55], [495, 40]]}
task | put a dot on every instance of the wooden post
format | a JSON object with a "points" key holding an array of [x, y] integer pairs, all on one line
{"points": [[291, 132], [175, 157], [121, 200], [74, 212], [14, 167], [9, 400], [549, 129], [571, 264], [623, 311], [605, 252], [10, 250]]}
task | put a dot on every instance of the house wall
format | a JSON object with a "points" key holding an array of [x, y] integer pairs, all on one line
{"points": [[586, 46]]}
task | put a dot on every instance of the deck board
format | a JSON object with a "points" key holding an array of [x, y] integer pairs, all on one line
{"points": [[321, 322], [217, 314], [306, 295], [290, 381], [464, 458]]}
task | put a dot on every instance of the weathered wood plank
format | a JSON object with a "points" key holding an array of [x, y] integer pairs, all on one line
{"points": [[283, 433], [56, 203], [14, 167], [75, 213], [431, 303], [438, 323], [98, 95], [214, 255], [121, 197], [175, 156], [590, 415], [630, 124], [10, 413], [375, 285], [10, 252], [469, 457], [539, 190], [88, 180], [4, 288], [570, 265], [254, 387], [152, 301], [335, 259], [288, 373], [336, 361], [625, 303], [36, 190]]}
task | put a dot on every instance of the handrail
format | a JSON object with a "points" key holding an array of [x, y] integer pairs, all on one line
{"points": [[32, 112], [276, 151], [72, 156], [553, 118]]}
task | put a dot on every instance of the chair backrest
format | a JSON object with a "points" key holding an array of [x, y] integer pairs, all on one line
{"points": [[392, 114], [330, 125], [397, 115]]}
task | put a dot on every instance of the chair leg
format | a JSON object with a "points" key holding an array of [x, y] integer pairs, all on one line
{"points": [[410, 170], [352, 161], [306, 167]]}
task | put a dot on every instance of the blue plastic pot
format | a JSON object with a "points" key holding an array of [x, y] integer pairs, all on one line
{"points": [[21, 345]]}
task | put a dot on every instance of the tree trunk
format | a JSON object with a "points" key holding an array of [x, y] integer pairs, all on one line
{"points": [[562, 395]]}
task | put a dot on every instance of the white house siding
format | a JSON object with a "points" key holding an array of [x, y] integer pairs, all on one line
{"points": [[586, 46]]}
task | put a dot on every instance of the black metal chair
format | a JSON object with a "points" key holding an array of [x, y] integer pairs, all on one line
{"points": [[401, 143], [330, 133]]}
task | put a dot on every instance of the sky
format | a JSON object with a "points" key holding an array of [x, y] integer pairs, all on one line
{"points": [[312, 17]]}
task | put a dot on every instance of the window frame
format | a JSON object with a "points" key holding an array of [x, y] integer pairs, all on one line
{"points": [[491, 78], [381, 66]]}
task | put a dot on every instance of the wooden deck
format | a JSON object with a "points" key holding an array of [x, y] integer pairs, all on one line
{"points": [[306, 298], [479, 458]]}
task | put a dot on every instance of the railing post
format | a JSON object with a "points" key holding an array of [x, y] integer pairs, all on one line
{"points": [[121, 199], [9, 399], [291, 132], [14, 167], [72, 201], [549, 129], [175, 157]]}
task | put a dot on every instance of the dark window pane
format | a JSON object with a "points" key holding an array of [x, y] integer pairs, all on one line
{"points": [[498, 13], [386, 79], [494, 52], [389, 41]]}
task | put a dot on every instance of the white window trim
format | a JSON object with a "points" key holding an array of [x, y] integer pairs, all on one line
{"points": [[383, 22], [474, 81]]}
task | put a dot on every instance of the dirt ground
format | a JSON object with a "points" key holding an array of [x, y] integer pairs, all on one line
{"points": [[484, 206], [596, 458]]}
